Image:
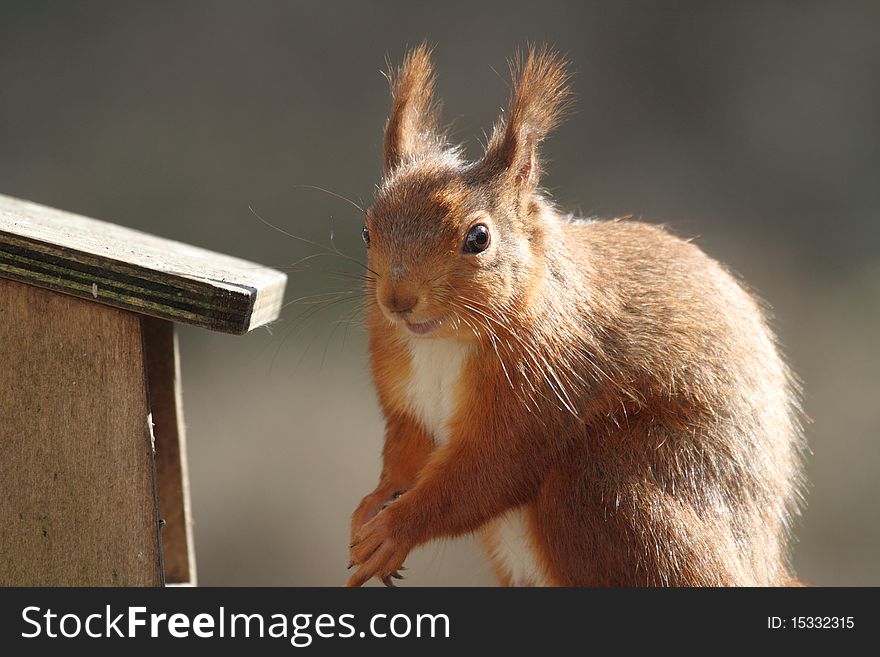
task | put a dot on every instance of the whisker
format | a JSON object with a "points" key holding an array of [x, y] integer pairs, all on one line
{"points": [[323, 296], [326, 250], [527, 399], [327, 191], [351, 317], [327, 344], [533, 362], [300, 321], [352, 276]]}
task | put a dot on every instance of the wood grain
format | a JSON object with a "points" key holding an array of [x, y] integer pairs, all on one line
{"points": [[163, 377], [135, 271], [77, 481]]}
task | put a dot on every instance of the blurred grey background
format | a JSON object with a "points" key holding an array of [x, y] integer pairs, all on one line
{"points": [[753, 126]]}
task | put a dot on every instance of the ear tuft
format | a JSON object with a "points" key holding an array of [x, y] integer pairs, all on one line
{"points": [[539, 99], [412, 128]]}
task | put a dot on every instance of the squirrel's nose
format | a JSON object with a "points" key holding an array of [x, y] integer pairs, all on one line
{"points": [[401, 301]]}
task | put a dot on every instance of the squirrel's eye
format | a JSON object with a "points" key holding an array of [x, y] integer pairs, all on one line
{"points": [[477, 239], [365, 234]]}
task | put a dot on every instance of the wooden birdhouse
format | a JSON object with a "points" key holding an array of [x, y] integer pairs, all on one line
{"points": [[93, 473]]}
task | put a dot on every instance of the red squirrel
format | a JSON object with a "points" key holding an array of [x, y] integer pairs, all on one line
{"points": [[602, 401]]}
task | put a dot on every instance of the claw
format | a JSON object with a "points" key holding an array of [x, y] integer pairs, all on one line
{"points": [[397, 575], [394, 497], [387, 581]]}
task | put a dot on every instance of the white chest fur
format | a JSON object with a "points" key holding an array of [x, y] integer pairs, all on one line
{"points": [[433, 394], [510, 546], [433, 386]]}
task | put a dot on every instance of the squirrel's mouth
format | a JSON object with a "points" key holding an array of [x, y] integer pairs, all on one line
{"points": [[424, 328]]}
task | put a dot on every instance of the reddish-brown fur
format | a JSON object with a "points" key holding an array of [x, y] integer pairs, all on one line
{"points": [[621, 387]]}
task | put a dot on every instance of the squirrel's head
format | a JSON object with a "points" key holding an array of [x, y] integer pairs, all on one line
{"points": [[451, 241]]}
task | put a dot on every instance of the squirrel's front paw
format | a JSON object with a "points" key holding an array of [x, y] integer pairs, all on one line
{"points": [[379, 550], [370, 506]]}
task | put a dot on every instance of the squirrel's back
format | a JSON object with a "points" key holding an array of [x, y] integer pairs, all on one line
{"points": [[704, 400]]}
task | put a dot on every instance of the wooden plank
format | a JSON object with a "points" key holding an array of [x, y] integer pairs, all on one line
{"points": [[78, 500], [135, 271], [163, 377]]}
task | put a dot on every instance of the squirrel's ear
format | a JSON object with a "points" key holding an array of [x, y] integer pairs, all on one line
{"points": [[412, 128], [540, 97]]}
